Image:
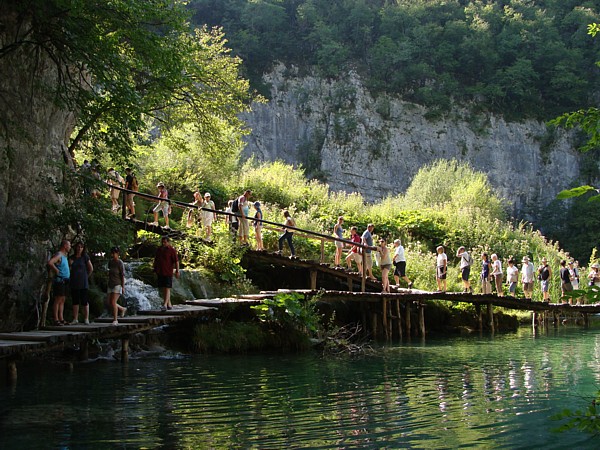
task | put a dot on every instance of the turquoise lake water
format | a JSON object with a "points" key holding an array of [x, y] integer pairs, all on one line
{"points": [[456, 392]]}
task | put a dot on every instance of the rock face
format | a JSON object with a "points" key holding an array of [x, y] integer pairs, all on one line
{"points": [[32, 146], [357, 143]]}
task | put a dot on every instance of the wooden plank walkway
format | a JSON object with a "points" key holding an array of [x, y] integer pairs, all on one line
{"points": [[53, 337]]}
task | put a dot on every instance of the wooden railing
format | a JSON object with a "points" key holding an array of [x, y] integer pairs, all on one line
{"points": [[278, 226]]}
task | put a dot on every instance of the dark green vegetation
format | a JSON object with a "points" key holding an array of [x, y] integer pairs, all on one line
{"points": [[521, 58]]}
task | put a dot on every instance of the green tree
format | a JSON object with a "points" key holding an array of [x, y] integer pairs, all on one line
{"points": [[121, 62]]}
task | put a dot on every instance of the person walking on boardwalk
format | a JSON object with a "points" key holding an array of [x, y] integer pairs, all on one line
{"points": [[486, 287], [163, 204], [466, 261], [243, 210], [400, 264], [338, 232], [385, 263], [165, 262], [132, 185], [594, 275], [232, 220], [367, 239], [208, 217], [574, 272], [81, 269], [116, 284], [497, 275], [527, 272], [288, 234], [441, 269], [59, 267], [114, 179], [258, 215], [566, 284], [354, 254], [512, 277], [544, 274]]}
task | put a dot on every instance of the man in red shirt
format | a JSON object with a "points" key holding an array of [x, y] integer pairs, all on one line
{"points": [[164, 263]]}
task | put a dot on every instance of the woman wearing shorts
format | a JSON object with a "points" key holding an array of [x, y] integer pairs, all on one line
{"points": [[116, 284]]}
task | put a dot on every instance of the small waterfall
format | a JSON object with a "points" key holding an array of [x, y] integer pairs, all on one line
{"points": [[139, 295]]}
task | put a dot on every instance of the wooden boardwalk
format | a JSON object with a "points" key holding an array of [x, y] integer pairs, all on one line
{"points": [[15, 345]]}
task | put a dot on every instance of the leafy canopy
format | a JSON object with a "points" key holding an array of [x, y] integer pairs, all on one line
{"points": [[122, 62]]}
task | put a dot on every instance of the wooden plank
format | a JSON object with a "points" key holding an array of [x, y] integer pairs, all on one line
{"points": [[41, 336]]}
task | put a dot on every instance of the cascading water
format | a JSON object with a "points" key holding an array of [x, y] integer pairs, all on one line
{"points": [[141, 296]]}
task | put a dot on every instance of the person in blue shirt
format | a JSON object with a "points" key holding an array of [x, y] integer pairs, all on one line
{"points": [[59, 268]]}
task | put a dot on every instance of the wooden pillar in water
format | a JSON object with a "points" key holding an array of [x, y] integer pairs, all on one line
{"points": [[11, 371], [408, 330], [422, 319], [83, 351], [479, 317], [586, 320], [384, 312], [374, 324], [313, 279], [399, 319], [125, 349], [490, 310], [556, 318]]}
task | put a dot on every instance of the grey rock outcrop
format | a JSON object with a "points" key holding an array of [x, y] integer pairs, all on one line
{"points": [[32, 141], [358, 143]]}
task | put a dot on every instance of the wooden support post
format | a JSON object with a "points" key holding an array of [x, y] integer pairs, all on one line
{"points": [[313, 279], [479, 317], [399, 319], [534, 319], [586, 320], [374, 324], [556, 318], [408, 330], [124, 208], [83, 351], [490, 310], [350, 284], [384, 315], [125, 349], [322, 251], [11, 371], [422, 319], [363, 280]]}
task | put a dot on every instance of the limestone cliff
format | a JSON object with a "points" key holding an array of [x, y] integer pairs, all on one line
{"points": [[32, 149], [337, 129]]}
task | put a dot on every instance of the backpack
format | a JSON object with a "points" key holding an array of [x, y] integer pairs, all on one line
{"points": [[469, 259], [235, 206]]}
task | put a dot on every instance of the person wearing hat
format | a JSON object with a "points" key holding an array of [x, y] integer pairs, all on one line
{"points": [[527, 272], [400, 264], [163, 204], [594, 275], [208, 216], [114, 179], [544, 274]]}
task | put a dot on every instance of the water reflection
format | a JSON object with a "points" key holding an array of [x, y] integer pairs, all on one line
{"points": [[451, 393]]}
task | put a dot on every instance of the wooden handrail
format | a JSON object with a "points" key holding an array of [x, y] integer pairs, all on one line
{"points": [[307, 233]]}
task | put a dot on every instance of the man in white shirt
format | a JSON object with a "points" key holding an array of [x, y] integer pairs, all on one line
{"points": [[400, 264]]}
